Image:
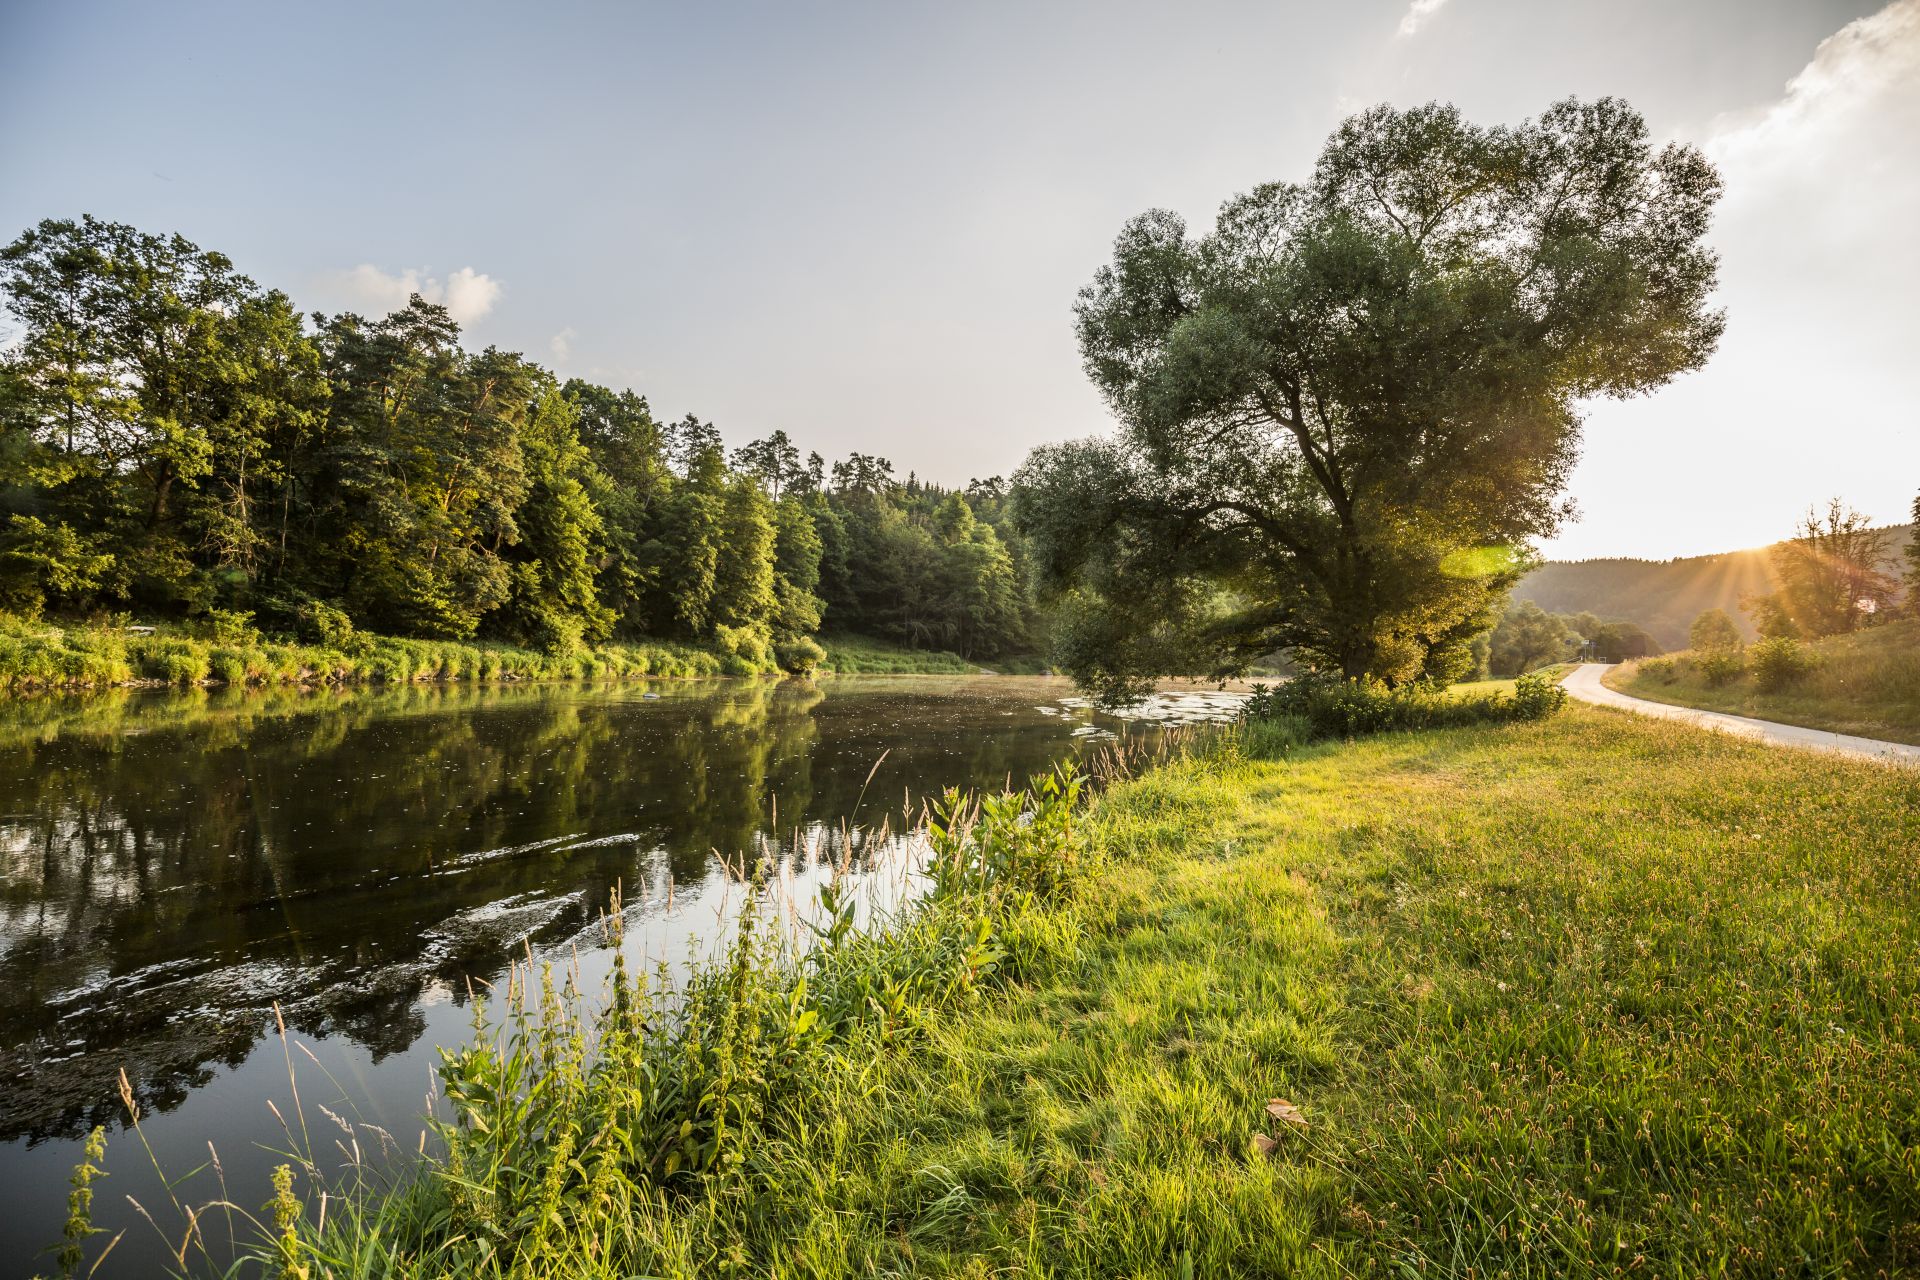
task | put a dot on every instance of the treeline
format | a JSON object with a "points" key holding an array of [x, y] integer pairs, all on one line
{"points": [[1528, 637], [178, 442]]}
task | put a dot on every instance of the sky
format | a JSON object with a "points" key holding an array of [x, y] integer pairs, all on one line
{"points": [[866, 224]]}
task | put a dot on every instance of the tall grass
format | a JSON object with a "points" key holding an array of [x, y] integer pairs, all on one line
{"points": [[1867, 683], [861, 655], [37, 656], [625, 1134], [1589, 996]]}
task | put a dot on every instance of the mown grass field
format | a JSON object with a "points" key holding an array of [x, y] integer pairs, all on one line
{"points": [[1590, 996], [1867, 684]]}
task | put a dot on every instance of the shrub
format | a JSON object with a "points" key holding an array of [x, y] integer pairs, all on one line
{"points": [[1535, 697], [170, 658], [800, 655], [315, 622], [1721, 666], [229, 666], [227, 626], [184, 666], [1661, 669], [1778, 662], [1332, 707]]}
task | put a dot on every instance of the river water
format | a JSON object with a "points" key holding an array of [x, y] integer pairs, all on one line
{"points": [[175, 865]]}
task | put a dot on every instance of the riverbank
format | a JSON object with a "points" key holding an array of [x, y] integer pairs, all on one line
{"points": [[40, 656], [36, 655], [1550, 999], [1589, 994]]}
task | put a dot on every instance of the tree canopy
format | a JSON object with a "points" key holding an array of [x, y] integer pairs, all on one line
{"points": [[1347, 409], [1833, 577], [1712, 631], [177, 440]]}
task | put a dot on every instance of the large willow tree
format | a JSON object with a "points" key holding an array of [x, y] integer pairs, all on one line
{"points": [[1346, 411]]}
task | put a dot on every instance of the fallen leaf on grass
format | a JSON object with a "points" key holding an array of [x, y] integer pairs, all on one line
{"points": [[1281, 1109], [1263, 1145]]}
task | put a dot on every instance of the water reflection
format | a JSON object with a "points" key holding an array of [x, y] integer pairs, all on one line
{"points": [[171, 865]]}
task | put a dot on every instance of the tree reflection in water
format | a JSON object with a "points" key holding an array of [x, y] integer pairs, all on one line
{"points": [[173, 864]]}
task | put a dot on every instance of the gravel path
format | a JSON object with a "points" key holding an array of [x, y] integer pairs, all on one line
{"points": [[1583, 682]]}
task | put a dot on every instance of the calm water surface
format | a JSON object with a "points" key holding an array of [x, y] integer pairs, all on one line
{"points": [[172, 865]]}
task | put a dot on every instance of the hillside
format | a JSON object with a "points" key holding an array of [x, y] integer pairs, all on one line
{"points": [[1664, 596]]}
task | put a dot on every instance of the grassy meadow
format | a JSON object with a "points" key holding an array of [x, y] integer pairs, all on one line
{"points": [[1866, 683], [1593, 995], [865, 656], [1481, 688]]}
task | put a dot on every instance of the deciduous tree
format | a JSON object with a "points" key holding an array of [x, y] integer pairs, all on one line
{"points": [[1713, 630], [1346, 410], [1832, 572]]}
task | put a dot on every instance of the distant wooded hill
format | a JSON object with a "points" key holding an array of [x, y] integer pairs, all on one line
{"points": [[1665, 596]]}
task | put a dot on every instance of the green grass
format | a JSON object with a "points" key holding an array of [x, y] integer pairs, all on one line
{"points": [[1477, 688], [1589, 996], [1564, 999], [1867, 683], [44, 655], [863, 656]]}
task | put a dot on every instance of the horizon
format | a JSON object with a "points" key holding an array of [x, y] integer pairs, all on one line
{"points": [[908, 292]]}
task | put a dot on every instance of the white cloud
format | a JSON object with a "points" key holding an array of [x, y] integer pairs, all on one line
{"points": [[1418, 13], [1812, 391], [1822, 186], [470, 294], [561, 343], [466, 294], [1855, 104]]}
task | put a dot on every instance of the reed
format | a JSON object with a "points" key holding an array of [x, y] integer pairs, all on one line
{"points": [[1592, 995]]}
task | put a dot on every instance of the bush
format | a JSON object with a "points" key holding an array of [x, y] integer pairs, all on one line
{"points": [[1721, 666], [799, 655], [227, 626], [1332, 707], [1778, 662], [1661, 669], [1536, 697], [184, 666], [229, 666]]}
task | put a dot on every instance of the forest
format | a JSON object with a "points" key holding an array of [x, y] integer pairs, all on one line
{"points": [[179, 443]]}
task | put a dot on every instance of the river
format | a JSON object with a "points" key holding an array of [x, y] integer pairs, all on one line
{"points": [[174, 865]]}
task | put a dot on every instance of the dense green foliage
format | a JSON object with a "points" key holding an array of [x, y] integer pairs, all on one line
{"points": [[1329, 706], [1865, 683], [1592, 996], [1346, 410], [176, 441], [854, 655], [36, 655], [1528, 637]]}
